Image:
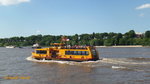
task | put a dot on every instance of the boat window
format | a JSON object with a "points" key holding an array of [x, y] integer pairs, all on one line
{"points": [[80, 52], [67, 52], [76, 53], [83, 52], [94, 52], [41, 51], [86, 53], [71, 52]]}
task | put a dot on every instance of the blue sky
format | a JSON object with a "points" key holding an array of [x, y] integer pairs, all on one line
{"points": [[68, 17]]}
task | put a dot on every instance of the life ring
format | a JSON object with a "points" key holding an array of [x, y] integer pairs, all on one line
{"points": [[82, 57], [70, 56]]}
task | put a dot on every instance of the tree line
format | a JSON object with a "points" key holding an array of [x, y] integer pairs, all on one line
{"points": [[94, 39]]}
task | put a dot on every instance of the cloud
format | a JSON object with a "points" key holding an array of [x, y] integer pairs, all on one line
{"points": [[143, 6], [12, 2], [141, 14]]}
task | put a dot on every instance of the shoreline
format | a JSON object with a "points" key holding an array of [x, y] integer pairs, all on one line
{"points": [[123, 46]]}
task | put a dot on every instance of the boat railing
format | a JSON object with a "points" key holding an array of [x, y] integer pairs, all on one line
{"points": [[74, 47]]}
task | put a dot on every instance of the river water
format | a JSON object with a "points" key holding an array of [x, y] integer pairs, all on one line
{"points": [[118, 66]]}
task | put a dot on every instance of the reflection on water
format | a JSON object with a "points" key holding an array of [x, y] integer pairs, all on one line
{"points": [[118, 66]]}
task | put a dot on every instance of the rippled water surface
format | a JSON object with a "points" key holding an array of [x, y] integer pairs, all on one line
{"points": [[118, 66]]}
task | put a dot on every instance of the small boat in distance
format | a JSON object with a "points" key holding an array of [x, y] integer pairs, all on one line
{"points": [[10, 46], [20, 47], [36, 46], [60, 51]]}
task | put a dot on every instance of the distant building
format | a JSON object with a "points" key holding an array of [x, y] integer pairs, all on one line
{"points": [[139, 34]]}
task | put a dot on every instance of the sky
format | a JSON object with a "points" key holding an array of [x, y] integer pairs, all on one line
{"points": [[69, 17]]}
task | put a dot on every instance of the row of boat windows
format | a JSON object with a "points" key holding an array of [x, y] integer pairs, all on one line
{"points": [[41, 51], [76, 53], [73, 47], [66, 52]]}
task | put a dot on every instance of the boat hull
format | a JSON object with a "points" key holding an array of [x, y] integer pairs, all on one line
{"points": [[67, 59]]}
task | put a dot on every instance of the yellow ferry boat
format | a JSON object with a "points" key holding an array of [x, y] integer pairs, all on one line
{"points": [[70, 53]]}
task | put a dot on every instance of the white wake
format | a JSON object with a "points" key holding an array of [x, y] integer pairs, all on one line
{"points": [[86, 63]]}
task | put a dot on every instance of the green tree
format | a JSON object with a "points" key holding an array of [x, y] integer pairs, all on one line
{"points": [[108, 42], [130, 34], [147, 34]]}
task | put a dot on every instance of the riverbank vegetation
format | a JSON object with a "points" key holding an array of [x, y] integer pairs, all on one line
{"points": [[94, 39]]}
